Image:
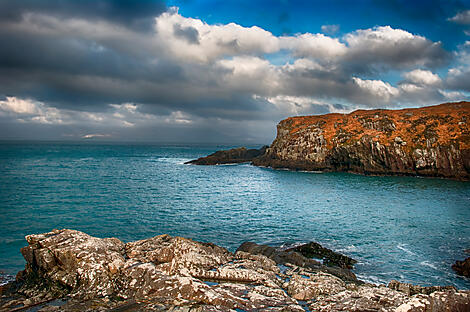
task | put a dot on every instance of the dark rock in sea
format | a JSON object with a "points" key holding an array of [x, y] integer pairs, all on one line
{"points": [[231, 156], [68, 270], [329, 257], [296, 258], [430, 141], [462, 267]]}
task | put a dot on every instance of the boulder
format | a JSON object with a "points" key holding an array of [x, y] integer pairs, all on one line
{"points": [[328, 256], [68, 270], [462, 267]]}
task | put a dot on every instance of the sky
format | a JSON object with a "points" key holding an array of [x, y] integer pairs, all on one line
{"points": [[222, 72]]}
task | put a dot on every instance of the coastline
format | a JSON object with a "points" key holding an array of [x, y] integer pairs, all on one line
{"points": [[175, 273]]}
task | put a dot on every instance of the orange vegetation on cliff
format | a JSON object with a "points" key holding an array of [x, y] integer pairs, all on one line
{"points": [[419, 127]]}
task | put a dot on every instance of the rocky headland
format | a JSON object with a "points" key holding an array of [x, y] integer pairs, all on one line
{"points": [[431, 141], [231, 156], [69, 270]]}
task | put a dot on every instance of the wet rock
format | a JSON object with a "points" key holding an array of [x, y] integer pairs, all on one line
{"points": [[69, 270], [329, 257], [462, 267], [307, 286], [293, 257], [235, 155], [364, 298], [411, 289]]}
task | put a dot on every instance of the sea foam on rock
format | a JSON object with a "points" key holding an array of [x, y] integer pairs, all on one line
{"points": [[166, 273]]}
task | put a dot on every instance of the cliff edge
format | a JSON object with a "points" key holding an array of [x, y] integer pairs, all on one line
{"points": [[430, 141]]}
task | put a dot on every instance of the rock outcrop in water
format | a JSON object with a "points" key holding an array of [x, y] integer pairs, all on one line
{"points": [[462, 267], [68, 270], [231, 156], [429, 141]]}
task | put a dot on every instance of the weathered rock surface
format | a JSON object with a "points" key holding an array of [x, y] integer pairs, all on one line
{"points": [[429, 141], [68, 270], [231, 156], [462, 267], [295, 258]]}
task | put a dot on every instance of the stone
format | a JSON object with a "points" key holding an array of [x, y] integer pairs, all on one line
{"points": [[328, 256], [231, 156], [293, 257], [69, 270], [462, 267]]}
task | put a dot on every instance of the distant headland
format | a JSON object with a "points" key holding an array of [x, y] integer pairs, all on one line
{"points": [[432, 141]]}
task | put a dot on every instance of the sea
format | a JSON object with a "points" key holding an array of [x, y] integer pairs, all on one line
{"points": [[409, 229]]}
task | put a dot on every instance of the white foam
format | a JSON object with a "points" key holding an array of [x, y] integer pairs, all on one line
{"points": [[403, 248], [371, 279], [428, 264], [178, 161], [350, 248]]}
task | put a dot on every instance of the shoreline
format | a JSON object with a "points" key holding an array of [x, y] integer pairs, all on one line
{"points": [[166, 272]]}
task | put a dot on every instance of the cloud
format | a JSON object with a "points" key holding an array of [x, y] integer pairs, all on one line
{"points": [[461, 18], [191, 39], [85, 73], [314, 46], [393, 48], [124, 12], [377, 88], [422, 77], [330, 29]]}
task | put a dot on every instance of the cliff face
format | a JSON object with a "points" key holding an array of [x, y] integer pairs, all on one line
{"points": [[428, 141]]}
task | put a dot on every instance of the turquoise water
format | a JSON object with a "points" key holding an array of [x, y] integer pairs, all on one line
{"points": [[410, 229]]}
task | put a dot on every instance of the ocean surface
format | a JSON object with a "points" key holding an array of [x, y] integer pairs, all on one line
{"points": [[404, 228]]}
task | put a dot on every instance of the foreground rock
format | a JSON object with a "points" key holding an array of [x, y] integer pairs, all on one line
{"points": [[71, 271], [430, 141], [462, 267], [232, 156]]}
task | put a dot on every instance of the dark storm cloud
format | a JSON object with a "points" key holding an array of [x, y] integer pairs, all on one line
{"points": [[136, 14]]}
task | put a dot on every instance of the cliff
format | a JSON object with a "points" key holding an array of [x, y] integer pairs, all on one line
{"points": [[69, 270], [430, 141]]}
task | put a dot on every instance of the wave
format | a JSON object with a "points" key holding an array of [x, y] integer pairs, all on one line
{"points": [[372, 279], [428, 264], [178, 161], [403, 248], [347, 249], [6, 278]]}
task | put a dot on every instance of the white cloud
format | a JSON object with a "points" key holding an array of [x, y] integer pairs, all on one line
{"points": [[20, 106], [461, 18], [314, 46], [393, 47], [377, 88], [249, 73], [422, 77], [34, 111], [213, 41]]}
